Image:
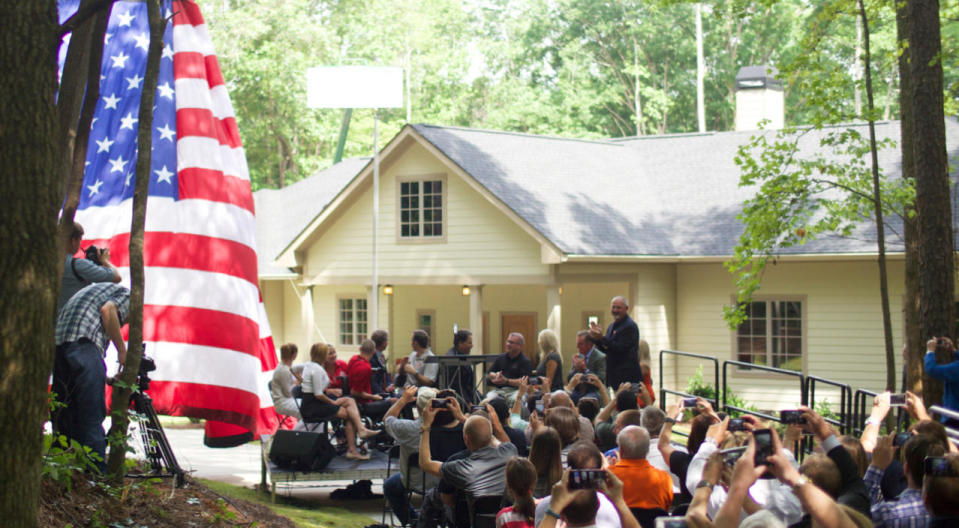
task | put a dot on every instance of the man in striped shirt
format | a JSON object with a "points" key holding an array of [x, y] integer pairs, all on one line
{"points": [[88, 322]]}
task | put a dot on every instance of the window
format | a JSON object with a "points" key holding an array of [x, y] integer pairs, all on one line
{"points": [[421, 209], [424, 321], [772, 334], [353, 326]]}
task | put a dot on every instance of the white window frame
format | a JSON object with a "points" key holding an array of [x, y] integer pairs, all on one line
{"points": [[443, 209], [356, 333], [770, 337]]}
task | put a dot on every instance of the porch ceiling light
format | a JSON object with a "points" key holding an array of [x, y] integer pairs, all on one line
{"points": [[388, 289], [466, 290]]}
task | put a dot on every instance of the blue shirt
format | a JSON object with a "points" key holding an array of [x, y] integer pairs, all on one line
{"points": [[948, 373]]}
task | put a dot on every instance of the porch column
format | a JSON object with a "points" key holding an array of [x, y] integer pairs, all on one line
{"points": [[554, 314], [307, 324], [476, 317]]}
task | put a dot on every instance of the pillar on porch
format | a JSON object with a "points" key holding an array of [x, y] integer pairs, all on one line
{"points": [[554, 314], [476, 317], [307, 323]]}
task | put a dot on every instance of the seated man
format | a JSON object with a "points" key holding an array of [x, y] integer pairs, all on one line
{"points": [[624, 400], [284, 379], [460, 378], [414, 370], [652, 419], [907, 509], [380, 379], [643, 485], [509, 368], [588, 360], [516, 436], [359, 371]]}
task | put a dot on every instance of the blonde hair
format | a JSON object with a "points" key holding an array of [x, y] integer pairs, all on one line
{"points": [[547, 341], [644, 358], [319, 352]]}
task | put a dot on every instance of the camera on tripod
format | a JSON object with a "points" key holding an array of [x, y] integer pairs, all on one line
{"points": [[147, 365]]}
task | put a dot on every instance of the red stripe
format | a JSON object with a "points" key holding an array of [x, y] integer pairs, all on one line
{"points": [[201, 327], [183, 250], [189, 65], [268, 360], [212, 402], [213, 74], [186, 12], [213, 185], [201, 122]]}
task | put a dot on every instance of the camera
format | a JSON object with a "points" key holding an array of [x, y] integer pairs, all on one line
{"points": [[439, 403], [689, 403], [938, 467], [539, 406], [476, 408], [897, 400], [791, 417], [736, 424], [764, 445], [671, 522], [93, 255], [586, 478]]}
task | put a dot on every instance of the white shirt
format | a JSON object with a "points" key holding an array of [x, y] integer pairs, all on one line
{"points": [[655, 458], [315, 378], [606, 516]]}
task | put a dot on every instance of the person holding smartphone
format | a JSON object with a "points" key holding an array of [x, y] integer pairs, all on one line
{"points": [[947, 373], [907, 509]]}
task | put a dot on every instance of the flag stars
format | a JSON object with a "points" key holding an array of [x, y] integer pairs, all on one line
{"points": [[143, 41], [124, 19], [111, 102], [133, 83], [128, 121], [167, 52], [164, 175], [165, 90], [120, 60], [116, 165], [166, 133], [104, 145], [95, 188]]}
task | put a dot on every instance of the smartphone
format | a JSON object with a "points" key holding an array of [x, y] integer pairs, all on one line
{"points": [[736, 424], [671, 522], [475, 408], [764, 445], [539, 406], [439, 403], [534, 380], [791, 417], [731, 455], [897, 400], [586, 478], [689, 403], [938, 467], [901, 438]]}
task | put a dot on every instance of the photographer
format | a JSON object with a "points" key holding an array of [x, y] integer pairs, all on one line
{"points": [[89, 320], [948, 373], [78, 273]]}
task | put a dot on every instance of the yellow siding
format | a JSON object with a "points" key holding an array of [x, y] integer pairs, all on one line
{"points": [[480, 240], [450, 308], [843, 324]]}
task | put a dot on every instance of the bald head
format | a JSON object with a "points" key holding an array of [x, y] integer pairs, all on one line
{"points": [[633, 442], [559, 398], [477, 433]]}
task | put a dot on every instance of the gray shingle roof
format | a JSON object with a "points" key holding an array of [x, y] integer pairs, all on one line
{"points": [[672, 195], [281, 214]]}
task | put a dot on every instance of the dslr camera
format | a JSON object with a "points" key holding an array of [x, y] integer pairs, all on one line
{"points": [[93, 255]]}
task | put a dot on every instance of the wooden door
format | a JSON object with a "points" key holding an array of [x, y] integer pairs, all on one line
{"points": [[524, 323]]}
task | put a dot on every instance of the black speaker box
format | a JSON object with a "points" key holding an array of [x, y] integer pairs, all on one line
{"points": [[301, 450]]}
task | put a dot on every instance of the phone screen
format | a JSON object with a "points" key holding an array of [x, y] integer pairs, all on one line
{"points": [[689, 402], [586, 478], [897, 400], [438, 403], [791, 417], [671, 522], [539, 406], [938, 467], [731, 455], [764, 445], [736, 424]]}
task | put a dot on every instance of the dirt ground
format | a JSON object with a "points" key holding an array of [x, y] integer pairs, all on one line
{"points": [[146, 505]]}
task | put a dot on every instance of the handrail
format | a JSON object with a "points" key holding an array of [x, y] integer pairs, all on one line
{"points": [[845, 400], [859, 410], [663, 391], [764, 368]]}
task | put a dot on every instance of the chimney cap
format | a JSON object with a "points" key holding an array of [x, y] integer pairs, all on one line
{"points": [[758, 77]]}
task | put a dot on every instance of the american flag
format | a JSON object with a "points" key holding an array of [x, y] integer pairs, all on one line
{"points": [[204, 320]]}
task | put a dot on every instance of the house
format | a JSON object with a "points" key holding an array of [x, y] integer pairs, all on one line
{"points": [[498, 232]]}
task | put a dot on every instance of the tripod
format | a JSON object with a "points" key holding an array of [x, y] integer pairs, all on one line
{"points": [[156, 447]]}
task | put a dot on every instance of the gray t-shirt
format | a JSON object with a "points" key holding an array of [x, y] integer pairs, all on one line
{"points": [[407, 436], [88, 274], [427, 370], [482, 473]]}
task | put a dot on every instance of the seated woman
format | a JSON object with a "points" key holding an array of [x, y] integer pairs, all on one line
{"points": [[335, 370], [284, 379], [318, 407]]}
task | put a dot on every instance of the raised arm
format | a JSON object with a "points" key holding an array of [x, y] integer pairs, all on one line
{"points": [[409, 395], [427, 464]]}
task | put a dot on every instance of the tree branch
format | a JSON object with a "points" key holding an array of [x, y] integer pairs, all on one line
{"points": [[84, 12]]}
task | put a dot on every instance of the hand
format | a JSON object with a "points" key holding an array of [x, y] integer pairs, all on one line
{"points": [[815, 424], [596, 332], [575, 380], [644, 397], [105, 254], [110, 380], [884, 452], [718, 431], [429, 413], [675, 410], [534, 422], [624, 386], [409, 395], [745, 471], [612, 459], [932, 344], [793, 434], [376, 397], [880, 406], [522, 387], [612, 487], [779, 463], [493, 417], [409, 370], [714, 468], [915, 407], [704, 406], [750, 422], [560, 496]]}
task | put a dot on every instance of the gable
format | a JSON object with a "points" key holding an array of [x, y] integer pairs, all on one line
{"points": [[480, 243]]}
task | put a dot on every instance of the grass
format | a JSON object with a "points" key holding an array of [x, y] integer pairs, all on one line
{"points": [[302, 513]]}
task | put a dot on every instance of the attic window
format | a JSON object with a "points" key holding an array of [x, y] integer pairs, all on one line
{"points": [[421, 209]]}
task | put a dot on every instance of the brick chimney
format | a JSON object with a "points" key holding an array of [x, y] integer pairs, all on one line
{"points": [[759, 96]]}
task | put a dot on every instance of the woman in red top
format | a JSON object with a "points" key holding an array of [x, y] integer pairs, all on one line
{"points": [[520, 479], [335, 368]]}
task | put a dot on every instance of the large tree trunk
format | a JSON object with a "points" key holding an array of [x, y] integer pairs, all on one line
{"points": [[936, 280], [915, 347], [120, 403], [29, 185]]}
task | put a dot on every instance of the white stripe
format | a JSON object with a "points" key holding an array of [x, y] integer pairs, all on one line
{"points": [[198, 289], [193, 39], [196, 93], [188, 363], [266, 399], [208, 153], [196, 217], [264, 322]]}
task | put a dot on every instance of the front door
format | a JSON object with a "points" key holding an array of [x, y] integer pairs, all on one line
{"points": [[524, 323]]}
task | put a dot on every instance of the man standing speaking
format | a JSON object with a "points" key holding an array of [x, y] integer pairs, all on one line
{"points": [[620, 344]]}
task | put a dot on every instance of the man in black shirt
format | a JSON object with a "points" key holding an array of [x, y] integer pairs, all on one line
{"points": [[620, 344], [509, 368]]}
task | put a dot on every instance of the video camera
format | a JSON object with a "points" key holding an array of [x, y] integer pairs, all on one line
{"points": [[147, 365], [93, 255]]}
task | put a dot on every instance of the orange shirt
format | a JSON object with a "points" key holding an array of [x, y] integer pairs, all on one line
{"points": [[643, 485]]}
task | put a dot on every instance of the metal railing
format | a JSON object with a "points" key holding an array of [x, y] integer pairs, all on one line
{"points": [[845, 400], [742, 364], [952, 416], [663, 391], [859, 410]]}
